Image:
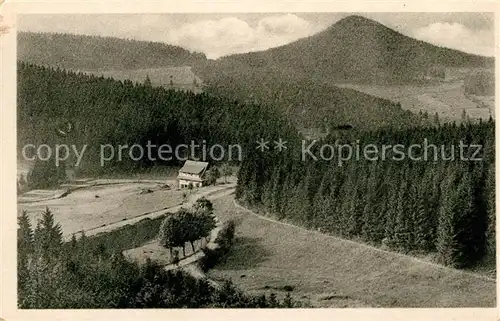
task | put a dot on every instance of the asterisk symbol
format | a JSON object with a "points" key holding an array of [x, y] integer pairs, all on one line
{"points": [[280, 144], [262, 145]]}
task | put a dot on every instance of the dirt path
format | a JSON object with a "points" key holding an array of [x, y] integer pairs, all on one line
{"points": [[330, 272]]}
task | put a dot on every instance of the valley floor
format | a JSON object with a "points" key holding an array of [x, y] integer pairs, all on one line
{"points": [[270, 256]]}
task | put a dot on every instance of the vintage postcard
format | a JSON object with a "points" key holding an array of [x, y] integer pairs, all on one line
{"points": [[251, 159]]}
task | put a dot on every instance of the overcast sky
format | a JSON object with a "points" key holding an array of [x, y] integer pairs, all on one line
{"points": [[222, 34]]}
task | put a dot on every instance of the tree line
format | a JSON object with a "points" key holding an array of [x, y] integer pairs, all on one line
{"points": [[439, 207]]}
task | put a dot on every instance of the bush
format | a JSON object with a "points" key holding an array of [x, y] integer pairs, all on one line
{"points": [[224, 241], [226, 235]]}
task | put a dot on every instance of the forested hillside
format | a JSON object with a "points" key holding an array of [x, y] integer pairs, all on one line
{"points": [[310, 103], [106, 111], [92, 273], [445, 208], [82, 52]]}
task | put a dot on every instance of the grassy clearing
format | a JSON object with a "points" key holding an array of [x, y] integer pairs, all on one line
{"points": [[447, 99], [157, 253], [331, 272]]}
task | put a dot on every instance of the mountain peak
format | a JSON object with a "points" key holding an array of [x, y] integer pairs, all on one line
{"points": [[356, 21]]}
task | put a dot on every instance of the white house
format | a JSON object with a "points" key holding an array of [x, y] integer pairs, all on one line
{"points": [[192, 173]]}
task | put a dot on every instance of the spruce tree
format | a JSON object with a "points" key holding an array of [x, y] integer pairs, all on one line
{"points": [[490, 198], [457, 205], [24, 234], [391, 213], [25, 251], [475, 222], [48, 235]]}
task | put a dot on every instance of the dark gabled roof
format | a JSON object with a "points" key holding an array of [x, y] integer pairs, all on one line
{"points": [[193, 167]]}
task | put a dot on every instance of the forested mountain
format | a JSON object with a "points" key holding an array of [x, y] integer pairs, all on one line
{"points": [[441, 204], [83, 52], [107, 111], [300, 77], [355, 49]]}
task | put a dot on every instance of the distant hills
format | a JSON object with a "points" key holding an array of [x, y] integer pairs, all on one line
{"points": [[82, 52], [354, 49]]}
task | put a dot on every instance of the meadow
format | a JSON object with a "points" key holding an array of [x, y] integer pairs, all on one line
{"points": [[97, 206], [447, 99], [332, 272]]}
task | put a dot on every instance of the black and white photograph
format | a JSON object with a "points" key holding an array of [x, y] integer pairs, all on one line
{"points": [[252, 160]]}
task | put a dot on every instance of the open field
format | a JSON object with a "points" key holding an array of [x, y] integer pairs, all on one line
{"points": [[330, 272], [447, 99], [96, 206]]}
